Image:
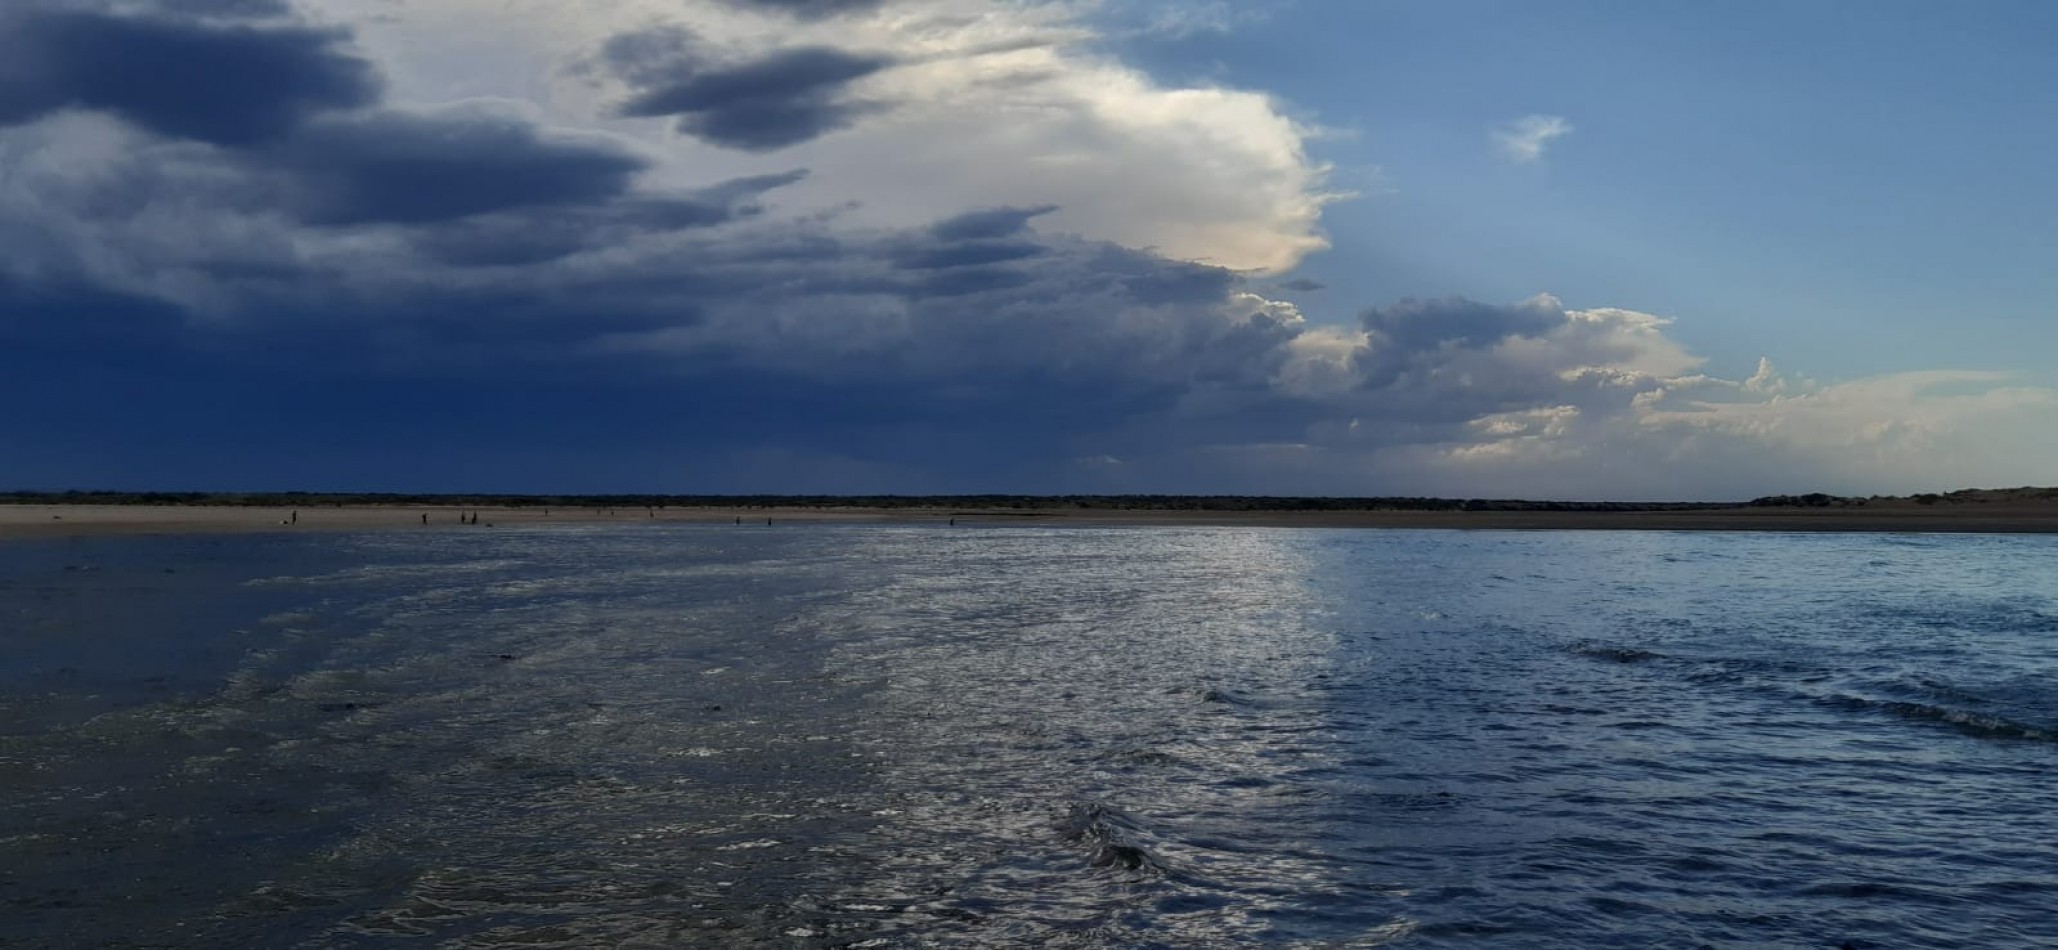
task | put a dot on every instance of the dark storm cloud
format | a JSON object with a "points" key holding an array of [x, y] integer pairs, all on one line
{"points": [[798, 304], [537, 235], [1414, 337], [1178, 282], [1413, 325], [782, 99], [977, 239], [415, 168], [227, 84], [528, 237], [483, 245], [967, 350], [970, 280], [47, 320]]}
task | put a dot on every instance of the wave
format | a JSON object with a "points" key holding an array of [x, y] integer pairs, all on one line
{"points": [[1206, 694], [1111, 839], [1608, 651], [1926, 698], [1933, 686], [2013, 615], [1142, 758], [1981, 725]]}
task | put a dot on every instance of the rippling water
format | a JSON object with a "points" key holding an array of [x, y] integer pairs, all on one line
{"points": [[910, 736]]}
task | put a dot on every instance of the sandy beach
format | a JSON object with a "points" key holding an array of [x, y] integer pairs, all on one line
{"points": [[29, 521]]}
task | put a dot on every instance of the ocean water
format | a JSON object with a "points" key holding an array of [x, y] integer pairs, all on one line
{"points": [[910, 736]]}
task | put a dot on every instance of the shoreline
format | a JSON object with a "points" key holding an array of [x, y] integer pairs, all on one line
{"points": [[62, 521]]}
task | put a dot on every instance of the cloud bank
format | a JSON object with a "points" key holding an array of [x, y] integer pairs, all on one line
{"points": [[922, 245]]}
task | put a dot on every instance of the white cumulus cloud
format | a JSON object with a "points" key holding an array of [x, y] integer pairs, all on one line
{"points": [[970, 103], [1525, 139]]}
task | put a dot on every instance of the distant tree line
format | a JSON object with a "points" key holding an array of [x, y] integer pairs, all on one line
{"points": [[1810, 500], [1024, 503], [1963, 496]]}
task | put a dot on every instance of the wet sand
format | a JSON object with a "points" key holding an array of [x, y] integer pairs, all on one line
{"points": [[20, 521]]}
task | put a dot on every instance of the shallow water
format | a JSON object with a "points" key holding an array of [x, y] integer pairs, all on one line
{"points": [[909, 736]]}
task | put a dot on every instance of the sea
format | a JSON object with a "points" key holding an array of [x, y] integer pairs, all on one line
{"points": [[914, 735]]}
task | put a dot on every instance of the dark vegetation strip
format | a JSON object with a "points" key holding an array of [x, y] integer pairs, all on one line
{"points": [[985, 502], [1022, 502]]}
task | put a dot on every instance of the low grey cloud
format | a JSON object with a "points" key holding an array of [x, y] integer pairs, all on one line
{"points": [[226, 83], [967, 254], [988, 223], [194, 9], [1418, 338], [782, 98], [418, 167], [535, 235], [1417, 326], [808, 9]]}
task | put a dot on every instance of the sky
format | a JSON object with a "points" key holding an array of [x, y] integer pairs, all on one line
{"points": [[1561, 249]]}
